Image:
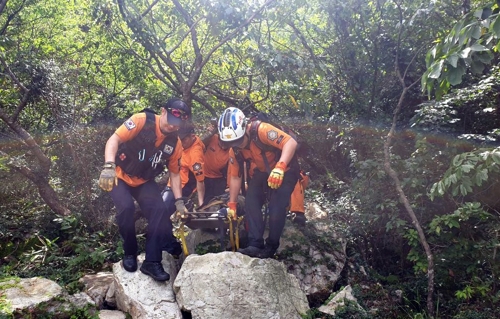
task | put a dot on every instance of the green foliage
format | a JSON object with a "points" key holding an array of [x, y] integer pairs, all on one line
{"points": [[466, 171], [468, 45], [66, 257]]}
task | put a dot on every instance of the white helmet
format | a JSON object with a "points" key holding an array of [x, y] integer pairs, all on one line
{"points": [[232, 126]]}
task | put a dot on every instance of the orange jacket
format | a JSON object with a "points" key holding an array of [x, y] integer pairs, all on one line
{"points": [[193, 159], [268, 135], [136, 122], [215, 158]]}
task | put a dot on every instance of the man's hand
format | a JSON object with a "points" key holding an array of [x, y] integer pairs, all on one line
{"points": [[108, 177], [231, 211], [180, 207], [276, 177]]}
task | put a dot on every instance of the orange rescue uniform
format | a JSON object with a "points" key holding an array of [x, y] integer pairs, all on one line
{"points": [[193, 159], [216, 158], [297, 198], [268, 135]]}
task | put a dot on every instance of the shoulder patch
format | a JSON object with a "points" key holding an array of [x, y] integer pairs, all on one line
{"points": [[272, 135], [196, 167], [168, 149], [129, 124]]}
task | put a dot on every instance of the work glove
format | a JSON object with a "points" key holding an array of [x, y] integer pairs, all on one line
{"points": [[231, 211], [276, 177], [180, 207], [108, 177]]}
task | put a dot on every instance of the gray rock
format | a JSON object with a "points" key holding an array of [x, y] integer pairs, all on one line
{"points": [[143, 297], [97, 285], [316, 256], [23, 293], [231, 285], [339, 300], [111, 314]]}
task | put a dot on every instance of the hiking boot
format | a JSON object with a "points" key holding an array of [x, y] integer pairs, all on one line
{"points": [[300, 219], [155, 270], [268, 252], [251, 251], [129, 262]]}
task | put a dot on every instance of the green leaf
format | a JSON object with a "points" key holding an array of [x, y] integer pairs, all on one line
{"points": [[496, 157], [477, 67], [457, 160], [453, 178], [495, 26], [476, 32], [478, 47], [484, 57], [463, 190], [455, 75], [440, 188], [453, 59], [478, 13], [436, 69], [454, 223], [466, 168], [464, 53]]}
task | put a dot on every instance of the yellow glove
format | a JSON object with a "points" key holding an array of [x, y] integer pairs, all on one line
{"points": [[276, 177], [108, 177], [231, 212]]}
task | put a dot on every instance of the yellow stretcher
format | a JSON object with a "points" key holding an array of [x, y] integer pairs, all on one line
{"points": [[211, 220]]}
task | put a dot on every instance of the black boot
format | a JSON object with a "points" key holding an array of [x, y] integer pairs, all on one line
{"points": [[268, 252], [155, 270], [129, 262], [251, 251], [299, 219]]}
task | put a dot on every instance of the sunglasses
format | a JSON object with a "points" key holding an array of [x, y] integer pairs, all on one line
{"points": [[178, 113]]}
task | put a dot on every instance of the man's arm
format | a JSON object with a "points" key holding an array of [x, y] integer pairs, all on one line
{"points": [[234, 188], [175, 183], [111, 148], [200, 189], [288, 151]]}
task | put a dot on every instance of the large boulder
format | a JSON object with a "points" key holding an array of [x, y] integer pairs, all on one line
{"points": [[143, 297], [232, 285], [315, 254], [35, 297]]}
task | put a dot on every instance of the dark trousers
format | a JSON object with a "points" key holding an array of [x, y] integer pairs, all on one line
{"points": [[279, 199], [214, 187], [148, 196]]}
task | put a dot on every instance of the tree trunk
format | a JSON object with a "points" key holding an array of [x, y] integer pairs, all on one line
{"points": [[402, 197]]}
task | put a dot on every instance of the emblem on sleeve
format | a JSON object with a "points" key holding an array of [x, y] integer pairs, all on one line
{"points": [[231, 160], [272, 135], [129, 124], [168, 149], [196, 167]]}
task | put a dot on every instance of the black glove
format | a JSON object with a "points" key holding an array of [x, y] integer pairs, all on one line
{"points": [[108, 177]]}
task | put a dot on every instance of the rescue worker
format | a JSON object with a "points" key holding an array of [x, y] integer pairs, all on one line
{"points": [[297, 208], [138, 151], [216, 159], [192, 170], [273, 175]]}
